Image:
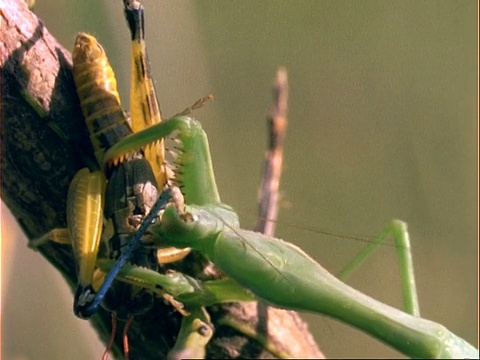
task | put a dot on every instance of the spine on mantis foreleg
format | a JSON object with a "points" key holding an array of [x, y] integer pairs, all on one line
{"points": [[283, 275], [194, 170]]}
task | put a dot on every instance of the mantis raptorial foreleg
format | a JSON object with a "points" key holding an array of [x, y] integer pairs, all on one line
{"points": [[189, 291]]}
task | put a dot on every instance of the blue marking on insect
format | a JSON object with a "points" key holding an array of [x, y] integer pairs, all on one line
{"points": [[89, 306]]}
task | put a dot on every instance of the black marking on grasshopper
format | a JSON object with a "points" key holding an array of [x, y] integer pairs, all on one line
{"points": [[120, 300], [134, 13]]}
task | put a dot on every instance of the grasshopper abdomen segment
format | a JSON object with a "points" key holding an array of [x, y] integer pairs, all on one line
{"points": [[97, 90]]}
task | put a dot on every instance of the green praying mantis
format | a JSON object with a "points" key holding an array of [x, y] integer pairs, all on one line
{"points": [[277, 271], [204, 221]]}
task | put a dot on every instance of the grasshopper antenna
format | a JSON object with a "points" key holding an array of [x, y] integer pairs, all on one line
{"points": [[126, 349], [112, 338]]}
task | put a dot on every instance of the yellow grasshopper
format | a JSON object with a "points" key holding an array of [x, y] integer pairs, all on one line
{"points": [[121, 193]]}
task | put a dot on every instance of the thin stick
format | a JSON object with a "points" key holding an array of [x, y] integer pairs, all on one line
{"points": [[272, 168], [267, 197], [268, 211]]}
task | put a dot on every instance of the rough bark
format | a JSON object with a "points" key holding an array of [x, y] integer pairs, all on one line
{"points": [[42, 137]]}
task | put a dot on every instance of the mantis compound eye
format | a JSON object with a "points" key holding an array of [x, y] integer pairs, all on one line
{"points": [[189, 217]]}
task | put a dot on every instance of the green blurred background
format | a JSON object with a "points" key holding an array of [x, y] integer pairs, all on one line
{"points": [[382, 125]]}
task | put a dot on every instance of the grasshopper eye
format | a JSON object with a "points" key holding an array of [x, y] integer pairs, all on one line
{"points": [[204, 330]]}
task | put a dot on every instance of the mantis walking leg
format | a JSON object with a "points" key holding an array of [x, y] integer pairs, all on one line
{"points": [[398, 230], [195, 333]]}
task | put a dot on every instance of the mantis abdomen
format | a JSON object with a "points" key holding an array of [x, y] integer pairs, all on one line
{"points": [[285, 276]]}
